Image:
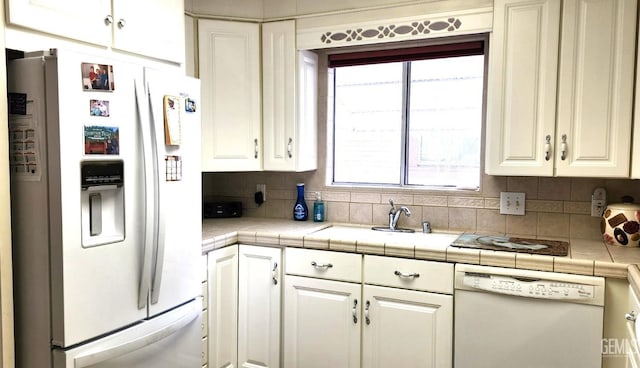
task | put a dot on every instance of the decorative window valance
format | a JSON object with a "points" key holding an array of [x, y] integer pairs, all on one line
{"points": [[389, 25]]}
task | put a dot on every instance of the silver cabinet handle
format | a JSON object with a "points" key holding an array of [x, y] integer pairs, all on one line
{"points": [[407, 275], [631, 316], [354, 311], [290, 147], [547, 148], [121, 23], [563, 147], [255, 145], [321, 265], [108, 19], [274, 273], [366, 313]]}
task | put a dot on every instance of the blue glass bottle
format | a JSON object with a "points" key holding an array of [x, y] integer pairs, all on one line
{"points": [[300, 210]]}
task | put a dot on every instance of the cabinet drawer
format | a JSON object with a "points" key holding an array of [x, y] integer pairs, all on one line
{"points": [[409, 274], [324, 264]]}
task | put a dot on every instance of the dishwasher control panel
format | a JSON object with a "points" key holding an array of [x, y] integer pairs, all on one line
{"points": [[532, 288]]}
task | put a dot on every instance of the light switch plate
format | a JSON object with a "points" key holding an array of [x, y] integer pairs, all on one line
{"points": [[512, 203]]}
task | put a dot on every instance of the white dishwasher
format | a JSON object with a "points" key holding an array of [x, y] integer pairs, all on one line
{"points": [[526, 319]]}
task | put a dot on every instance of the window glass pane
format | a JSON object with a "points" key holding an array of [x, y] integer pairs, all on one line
{"points": [[445, 120], [368, 123]]}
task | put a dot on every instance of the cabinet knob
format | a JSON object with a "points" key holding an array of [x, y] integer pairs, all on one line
{"points": [[563, 147], [121, 23], [367, 305], [255, 145], [274, 273], [631, 316], [354, 311], [108, 20], [547, 148]]}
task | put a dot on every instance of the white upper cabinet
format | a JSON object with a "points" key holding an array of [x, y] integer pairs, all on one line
{"points": [[229, 60], [522, 86], [289, 98], [566, 113], [75, 19], [152, 28], [595, 89], [635, 157]]}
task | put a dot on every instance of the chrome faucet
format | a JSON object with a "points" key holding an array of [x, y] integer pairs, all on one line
{"points": [[394, 214]]}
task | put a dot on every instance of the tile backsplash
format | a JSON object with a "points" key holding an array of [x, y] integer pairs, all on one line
{"points": [[555, 207]]}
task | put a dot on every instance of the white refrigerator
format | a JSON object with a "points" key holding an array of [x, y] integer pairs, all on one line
{"points": [[106, 213]]}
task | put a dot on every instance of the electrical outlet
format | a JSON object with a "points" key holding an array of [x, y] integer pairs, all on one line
{"points": [[598, 202], [512, 203], [262, 188]]}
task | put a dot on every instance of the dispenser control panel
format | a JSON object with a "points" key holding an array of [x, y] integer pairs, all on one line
{"points": [[99, 173]]}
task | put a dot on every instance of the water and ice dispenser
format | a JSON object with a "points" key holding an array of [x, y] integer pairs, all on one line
{"points": [[102, 202]]}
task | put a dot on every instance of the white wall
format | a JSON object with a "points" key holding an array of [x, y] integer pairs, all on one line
{"points": [[6, 279]]}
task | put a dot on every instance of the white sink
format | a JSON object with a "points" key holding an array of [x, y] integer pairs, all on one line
{"points": [[360, 233]]}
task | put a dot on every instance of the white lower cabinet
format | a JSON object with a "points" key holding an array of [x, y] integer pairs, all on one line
{"points": [[632, 351], [374, 321], [406, 328], [244, 307], [223, 307], [259, 306], [322, 323]]}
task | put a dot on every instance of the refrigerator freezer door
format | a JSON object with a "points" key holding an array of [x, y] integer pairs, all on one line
{"points": [[175, 122], [171, 340], [94, 289]]}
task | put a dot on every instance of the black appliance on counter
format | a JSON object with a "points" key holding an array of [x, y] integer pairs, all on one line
{"points": [[221, 209]]}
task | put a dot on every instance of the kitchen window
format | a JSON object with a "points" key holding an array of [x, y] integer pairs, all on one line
{"points": [[409, 117]]}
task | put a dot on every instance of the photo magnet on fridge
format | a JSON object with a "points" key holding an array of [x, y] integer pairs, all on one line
{"points": [[97, 77], [101, 140], [99, 108], [189, 105]]}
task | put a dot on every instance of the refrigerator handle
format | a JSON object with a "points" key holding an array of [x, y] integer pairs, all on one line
{"points": [[159, 214], [149, 198], [93, 357]]}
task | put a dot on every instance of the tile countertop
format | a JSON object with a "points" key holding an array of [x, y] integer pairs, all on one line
{"points": [[586, 256]]}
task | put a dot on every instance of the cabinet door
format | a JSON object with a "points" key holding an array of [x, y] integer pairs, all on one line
{"points": [[259, 306], [306, 144], [229, 59], [635, 157], [279, 94], [521, 100], [405, 328], [322, 323], [223, 307], [150, 27], [289, 99], [595, 90], [633, 349], [75, 19]]}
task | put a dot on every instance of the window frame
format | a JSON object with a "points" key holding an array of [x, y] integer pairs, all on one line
{"points": [[445, 47]]}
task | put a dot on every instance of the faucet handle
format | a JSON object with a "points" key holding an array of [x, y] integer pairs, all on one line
{"points": [[391, 203]]}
